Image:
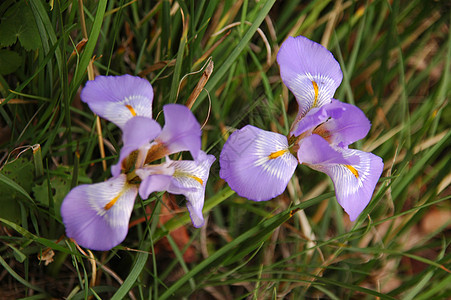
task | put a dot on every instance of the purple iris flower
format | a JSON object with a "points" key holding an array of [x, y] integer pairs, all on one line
{"points": [[258, 164], [97, 215]]}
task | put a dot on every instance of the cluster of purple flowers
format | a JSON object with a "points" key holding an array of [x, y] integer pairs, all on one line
{"points": [[257, 164], [97, 215]]}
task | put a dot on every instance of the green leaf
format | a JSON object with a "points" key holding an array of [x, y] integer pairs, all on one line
{"points": [[40, 240], [18, 255], [8, 28], [128, 283], [60, 187], [16, 180], [9, 61], [18, 23], [10, 208], [21, 172], [90, 45]]}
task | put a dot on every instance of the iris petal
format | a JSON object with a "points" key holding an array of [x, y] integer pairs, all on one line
{"points": [[256, 163], [181, 130], [137, 132], [351, 126], [119, 98], [354, 173], [310, 71], [97, 215], [341, 124], [317, 116], [180, 177], [155, 178], [189, 179], [315, 150]]}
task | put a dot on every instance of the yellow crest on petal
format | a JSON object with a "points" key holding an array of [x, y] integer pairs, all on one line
{"points": [[131, 109], [277, 154], [353, 170], [197, 179], [315, 87]]}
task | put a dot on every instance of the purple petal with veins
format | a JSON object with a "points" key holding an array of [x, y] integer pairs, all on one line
{"points": [[155, 178], [181, 131], [354, 173], [310, 71], [96, 216], [315, 150], [119, 98], [189, 179], [180, 177], [341, 124], [317, 116], [351, 126], [257, 164]]}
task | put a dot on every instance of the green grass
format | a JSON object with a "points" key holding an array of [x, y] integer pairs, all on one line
{"points": [[396, 60]]}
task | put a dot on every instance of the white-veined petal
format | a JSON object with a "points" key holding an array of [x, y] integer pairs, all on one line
{"points": [[354, 173], [189, 179], [119, 98], [310, 71], [97, 215], [257, 164], [186, 177]]}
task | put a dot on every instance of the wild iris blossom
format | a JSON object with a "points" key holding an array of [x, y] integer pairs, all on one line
{"points": [[258, 164], [97, 215]]}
